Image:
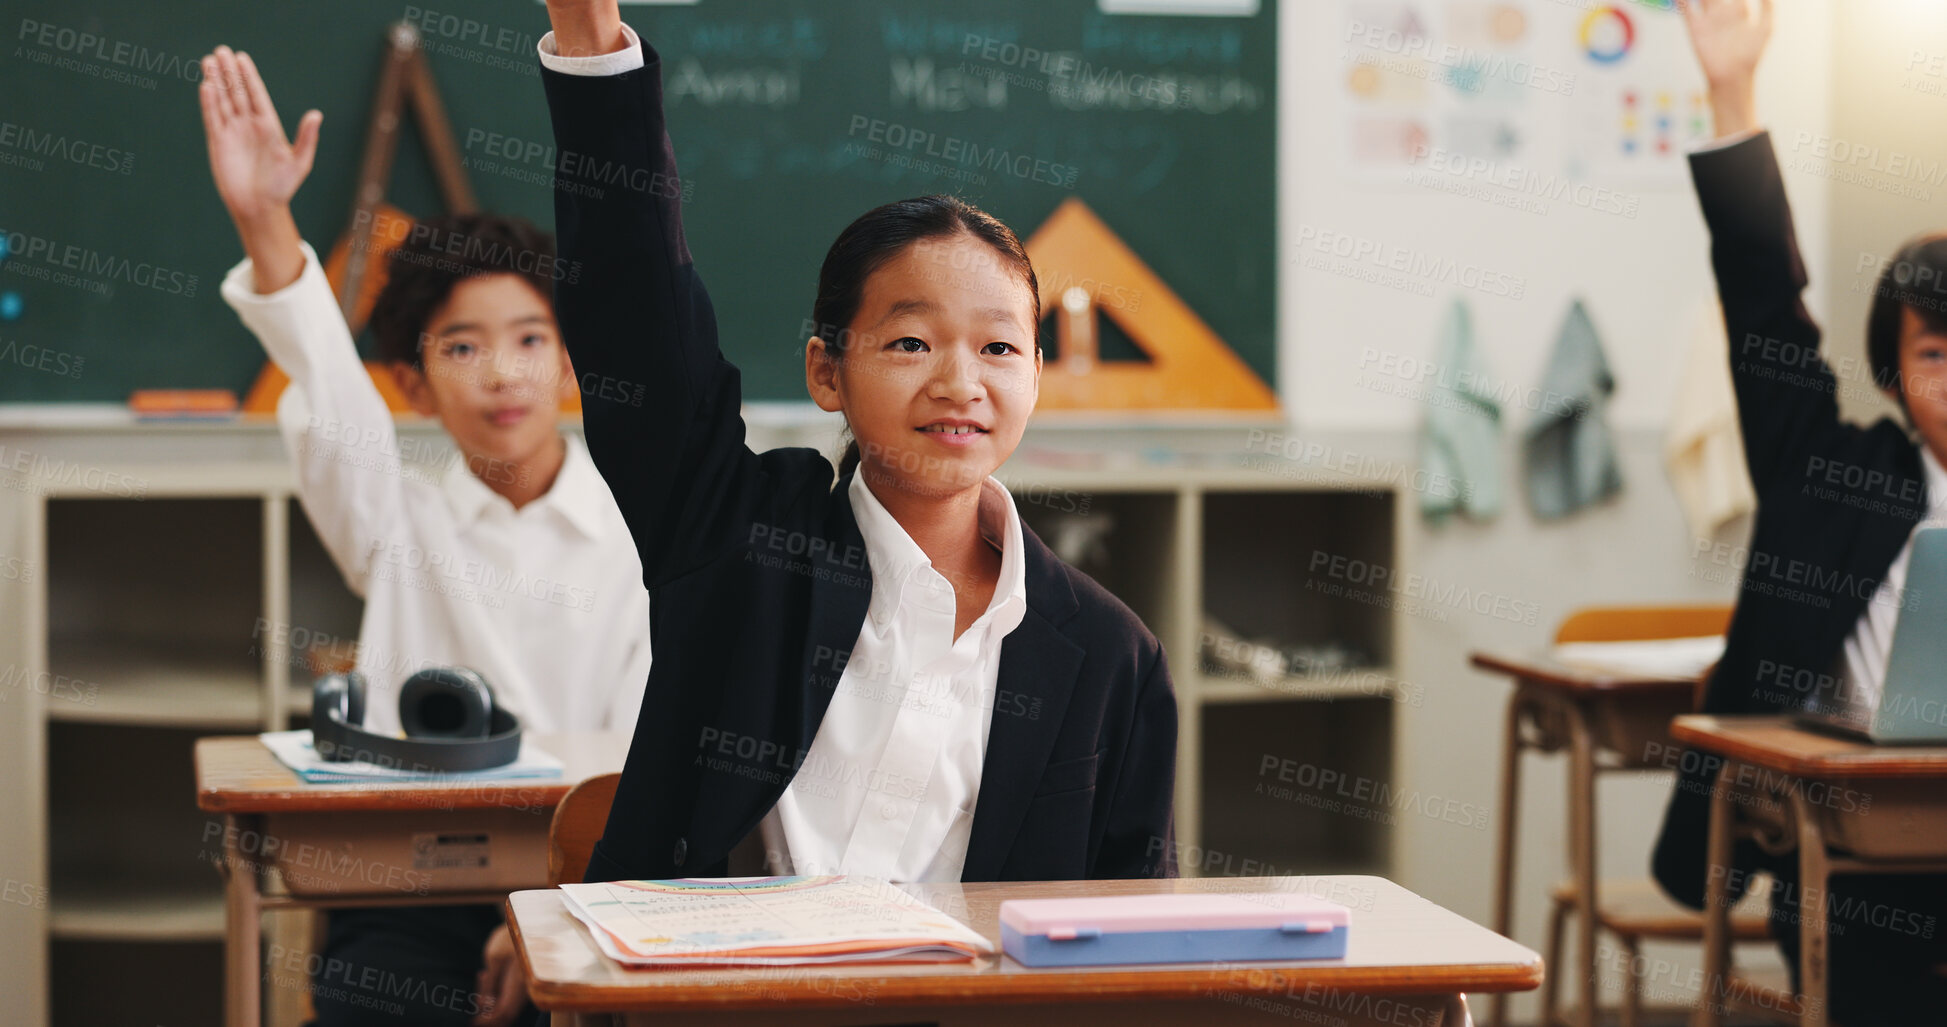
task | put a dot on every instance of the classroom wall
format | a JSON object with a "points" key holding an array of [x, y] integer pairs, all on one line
{"points": [[1646, 281], [1887, 164], [1644, 278]]}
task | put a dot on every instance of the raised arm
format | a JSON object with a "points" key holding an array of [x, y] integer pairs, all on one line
{"points": [[633, 310], [335, 425], [1786, 394]]}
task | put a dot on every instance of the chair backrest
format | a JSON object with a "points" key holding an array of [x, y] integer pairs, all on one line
{"points": [[1631, 623], [577, 826], [1634, 623]]}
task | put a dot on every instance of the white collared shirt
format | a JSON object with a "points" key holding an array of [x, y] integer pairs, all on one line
{"points": [[1872, 637], [889, 784], [888, 787], [546, 602]]}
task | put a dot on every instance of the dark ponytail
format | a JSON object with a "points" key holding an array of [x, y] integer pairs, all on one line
{"points": [[850, 461], [882, 233]]}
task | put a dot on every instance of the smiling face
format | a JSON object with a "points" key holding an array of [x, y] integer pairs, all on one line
{"points": [[1923, 380], [939, 369], [493, 370]]}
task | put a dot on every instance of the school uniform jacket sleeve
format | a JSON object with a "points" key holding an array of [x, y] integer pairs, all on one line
{"points": [[1787, 398], [1139, 837], [635, 316]]}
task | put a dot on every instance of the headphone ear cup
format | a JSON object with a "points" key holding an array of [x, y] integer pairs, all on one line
{"points": [[355, 699], [446, 702], [338, 697], [337, 711]]}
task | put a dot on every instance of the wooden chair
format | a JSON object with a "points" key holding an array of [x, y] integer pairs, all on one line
{"points": [[1635, 909], [577, 826], [583, 813]]}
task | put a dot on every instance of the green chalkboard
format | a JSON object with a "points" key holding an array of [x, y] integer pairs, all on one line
{"points": [[790, 117]]}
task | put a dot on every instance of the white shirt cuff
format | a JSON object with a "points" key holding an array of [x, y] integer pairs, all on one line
{"points": [[1726, 142], [295, 322], [627, 59]]}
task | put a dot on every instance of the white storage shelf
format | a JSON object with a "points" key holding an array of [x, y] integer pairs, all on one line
{"points": [[119, 681], [1360, 682], [133, 911], [148, 616]]}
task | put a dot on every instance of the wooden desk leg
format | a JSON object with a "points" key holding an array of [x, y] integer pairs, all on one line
{"points": [[1814, 876], [1504, 843], [243, 925], [1717, 905], [1581, 847]]}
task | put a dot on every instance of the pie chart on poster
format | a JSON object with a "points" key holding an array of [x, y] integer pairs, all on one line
{"points": [[1607, 35]]}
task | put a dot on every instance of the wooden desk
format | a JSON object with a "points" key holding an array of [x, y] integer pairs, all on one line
{"points": [[372, 844], [1847, 806], [1606, 721], [1408, 962]]}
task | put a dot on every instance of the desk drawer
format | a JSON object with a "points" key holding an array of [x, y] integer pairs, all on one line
{"points": [[1627, 725], [1881, 819], [402, 853]]}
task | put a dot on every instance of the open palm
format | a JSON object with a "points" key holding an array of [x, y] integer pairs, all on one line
{"points": [[257, 169], [1728, 39]]}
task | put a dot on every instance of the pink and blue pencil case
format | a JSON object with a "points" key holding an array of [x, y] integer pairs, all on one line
{"points": [[1181, 928]]}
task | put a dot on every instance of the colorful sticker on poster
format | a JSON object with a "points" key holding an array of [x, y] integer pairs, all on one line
{"points": [[1437, 78]]}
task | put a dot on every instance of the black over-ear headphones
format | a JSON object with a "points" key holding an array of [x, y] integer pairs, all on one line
{"points": [[452, 723]]}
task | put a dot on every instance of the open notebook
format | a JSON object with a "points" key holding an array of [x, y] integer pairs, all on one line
{"points": [[767, 921], [1680, 658]]}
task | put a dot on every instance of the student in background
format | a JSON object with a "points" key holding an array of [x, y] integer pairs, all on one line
{"points": [[512, 560], [1883, 958], [892, 677]]}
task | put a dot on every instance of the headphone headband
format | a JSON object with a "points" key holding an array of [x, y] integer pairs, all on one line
{"points": [[451, 721]]}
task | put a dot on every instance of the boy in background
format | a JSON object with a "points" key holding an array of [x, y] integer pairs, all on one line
{"points": [[1881, 969], [513, 560]]}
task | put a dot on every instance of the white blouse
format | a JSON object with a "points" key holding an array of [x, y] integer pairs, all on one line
{"points": [[888, 787]]}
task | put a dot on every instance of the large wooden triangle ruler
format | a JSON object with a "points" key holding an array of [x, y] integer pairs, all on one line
{"points": [[1188, 366]]}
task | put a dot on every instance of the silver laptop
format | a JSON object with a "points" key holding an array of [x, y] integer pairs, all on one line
{"points": [[1911, 707]]}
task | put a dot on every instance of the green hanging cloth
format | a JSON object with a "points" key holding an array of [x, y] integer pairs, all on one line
{"points": [[1460, 440], [1571, 451]]}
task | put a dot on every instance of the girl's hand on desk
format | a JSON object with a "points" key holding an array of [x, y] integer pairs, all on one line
{"points": [[257, 170], [1729, 42], [502, 983]]}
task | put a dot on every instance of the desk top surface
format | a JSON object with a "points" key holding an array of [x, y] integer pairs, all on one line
{"points": [[1399, 944], [237, 774], [1775, 742], [1544, 669]]}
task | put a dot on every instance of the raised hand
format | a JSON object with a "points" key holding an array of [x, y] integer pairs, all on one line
{"points": [[1729, 38], [257, 170]]}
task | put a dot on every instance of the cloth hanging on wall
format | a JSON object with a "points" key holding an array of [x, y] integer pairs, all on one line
{"points": [[1704, 450], [1571, 451], [1460, 440]]}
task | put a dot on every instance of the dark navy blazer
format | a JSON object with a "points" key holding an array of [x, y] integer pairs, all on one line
{"points": [[758, 578]]}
